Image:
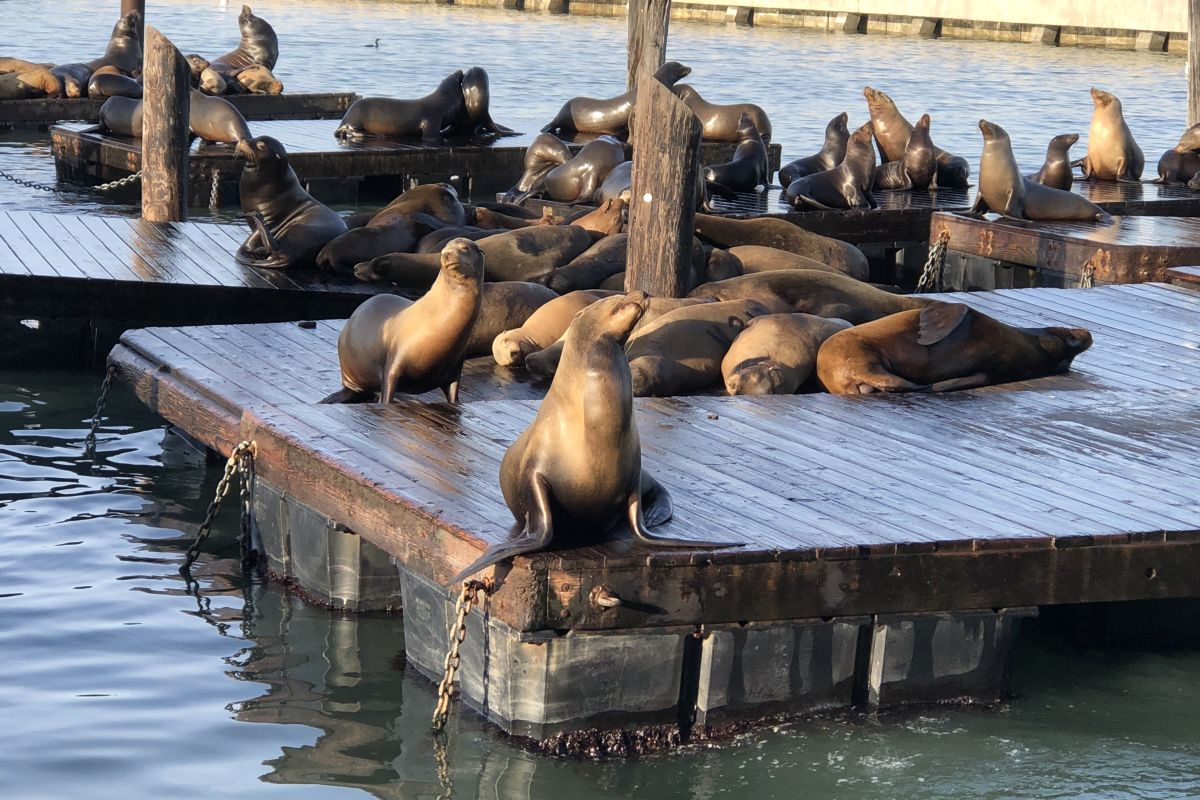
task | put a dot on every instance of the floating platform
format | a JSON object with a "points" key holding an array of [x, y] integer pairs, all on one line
{"points": [[40, 113], [334, 171], [892, 542], [1129, 249], [71, 284]]}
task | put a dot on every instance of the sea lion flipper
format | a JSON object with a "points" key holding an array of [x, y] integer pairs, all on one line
{"points": [[939, 320], [345, 395], [657, 507], [637, 521], [965, 382], [538, 531]]}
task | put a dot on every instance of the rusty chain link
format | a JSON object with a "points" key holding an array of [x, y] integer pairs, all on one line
{"points": [[932, 274], [1087, 277], [89, 442], [241, 460], [445, 691], [214, 194]]}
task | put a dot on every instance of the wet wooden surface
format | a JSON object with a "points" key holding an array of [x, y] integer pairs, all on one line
{"points": [[1073, 488], [1127, 249]]}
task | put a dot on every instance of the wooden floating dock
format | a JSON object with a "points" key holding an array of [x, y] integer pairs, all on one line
{"points": [[71, 284], [893, 542], [1130, 249], [40, 113], [332, 170]]}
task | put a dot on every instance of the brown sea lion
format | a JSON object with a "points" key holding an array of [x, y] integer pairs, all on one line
{"points": [[438, 200], [122, 116], [1004, 190], [74, 78], [8, 65], [434, 241], [727, 232], [608, 218], [425, 117], [618, 184], [846, 186], [1056, 169], [542, 328], [609, 115], [288, 226], [391, 344], [680, 352], [212, 82], [722, 123], [215, 119], [257, 79], [490, 220], [749, 170], [106, 84], [756, 258], [124, 50], [943, 347], [777, 353], [577, 469], [916, 169], [258, 46], [477, 119], [1176, 168], [553, 171], [356, 245], [528, 254], [828, 157], [1112, 153], [805, 291], [892, 130], [591, 267], [1190, 140], [505, 305], [31, 84]]}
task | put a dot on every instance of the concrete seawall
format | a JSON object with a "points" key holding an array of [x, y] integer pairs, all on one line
{"points": [[1154, 25]]}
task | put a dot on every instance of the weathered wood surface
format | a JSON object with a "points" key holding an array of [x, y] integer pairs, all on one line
{"points": [[1193, 62], [1127, 250], [1187, 277], [166, 130], [649, 22], [41, 112], [1073, 488], [665, 181]]}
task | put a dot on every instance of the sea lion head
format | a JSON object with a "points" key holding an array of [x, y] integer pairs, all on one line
{"points": [[747, 129], [198, 63], [263, 153], [211, 82], [462, 262], [544, 153], [510, 348], [671, 73], [476, 94], [72, 87], [992, 132], [1061, 345], [763, 377], [43, 81], [861, 141], [1064, 141], [257, 79], [248, 23], [127, 26], [611, 318], [877, 99], [923, 122], [837, 128], [722, 265], [1190, 141]]}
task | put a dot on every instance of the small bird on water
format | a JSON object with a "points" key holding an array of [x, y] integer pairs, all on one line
{"points": [[372, 45]]}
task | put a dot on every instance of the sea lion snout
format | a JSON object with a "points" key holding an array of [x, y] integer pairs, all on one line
{"points": [[761, 378], [462, 259], [245, 150]]}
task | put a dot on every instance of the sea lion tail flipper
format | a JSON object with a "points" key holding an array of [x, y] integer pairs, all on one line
{"points": [[657, 507], [978, 208], [637, 523], [345, 395], [880, 380], [965, 382], [538, 531], [808, 200]]}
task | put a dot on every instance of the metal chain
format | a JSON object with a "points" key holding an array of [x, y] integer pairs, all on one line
{"points": [[214, 195], [240, 460], [45, 187], [89, 442], [1087, 278], [932, 274], [445, 691]]}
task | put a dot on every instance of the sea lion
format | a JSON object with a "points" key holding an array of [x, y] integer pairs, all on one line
{"points": [[618, 184], [106, 84], [391, 344], [506, 304], [122, 116], [438, 200], [779, 233], [578, 467], [846, 186], [1004, 190], [756, 258], [257, 79], [124, 50], [916, 169], [892, 130], [212, 82], [74, 78], [30, 84], [425, 117], [542, 328], [551, 169], [197, 63], [749, 169], [1190, 140], [608, 218], [943, 347], [528, 254], [1176, 168], [8, 65], [591, 267], [722, 123], [215, 119], [490, 220], [609, 115], [288, 226], [476, 101], [1112, 153], [356, 245], [777, 353], [828, 157], [398, 227], [258, 46], [1056, 169], [805, 291], [681, 351], [434, 241]]}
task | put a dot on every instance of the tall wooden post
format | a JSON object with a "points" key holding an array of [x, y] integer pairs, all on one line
{"points": [[167, 81], [140, 7], [648, 23], [662, 211], [1193, 62]]}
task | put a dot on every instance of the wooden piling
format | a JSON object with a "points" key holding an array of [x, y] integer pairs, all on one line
{"points": [[164, 130], [663, 207], [1193, 62], [648, 23]]}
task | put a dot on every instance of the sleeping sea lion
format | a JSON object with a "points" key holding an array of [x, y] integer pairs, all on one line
{"points": [[391, 344], [752, 258], [8, 65], [288, 226], [542, 328], [774, 232], [828, 157], [74, 78], [1056, 169], [722, 123], [749, 169], [215, 119], [505, 305], [106, 84], [211, 82], [609, 115], [552, 170], [122, 116], [846, 186], [30, 84], [806, 291], [1112, 153], [777, 353], [608, 218], [941, 348], [425, 117], [578, 466], [257, 79], [916, 169], [591, 267]]}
